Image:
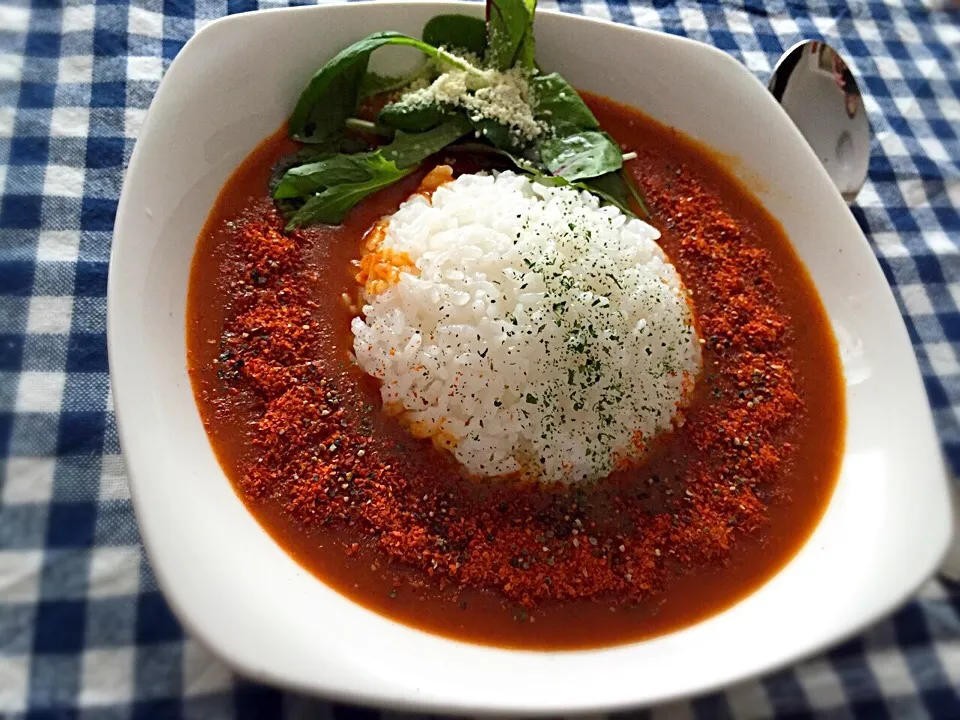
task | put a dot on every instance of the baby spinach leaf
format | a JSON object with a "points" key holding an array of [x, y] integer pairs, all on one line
{"points": [[612, 188], [335, 170], [557, 104], [332, 205], [510, 33], [498, 134], [409, 149], [581, 155], [459, 32], [333, 93], [631, 185], [374, 83], [417, 118], [336, 183]]}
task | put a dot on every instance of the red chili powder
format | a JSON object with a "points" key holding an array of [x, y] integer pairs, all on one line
{"points": [[317, 453]]}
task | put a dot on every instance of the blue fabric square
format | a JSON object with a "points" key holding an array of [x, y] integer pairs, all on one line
{"points": [[36, 95], [16, 277], [87, 353], [91, 279], [98, 214], [20, 211], [104, 152], [71, 524], [43, 44], [155, 622], [11, 352], [80, 432], [108, 94], [108, 43], [59, 627], [29, 150]]}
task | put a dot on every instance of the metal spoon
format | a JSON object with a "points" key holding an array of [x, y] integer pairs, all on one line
{"points": [[816, 88]]}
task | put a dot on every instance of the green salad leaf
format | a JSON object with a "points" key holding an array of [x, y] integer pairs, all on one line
{"points": [[457, 32], [344, 166], [334, 184], [581, 155], [559, 106], [332, 204], [510, 40], [415, 118], [333, 93], [577, 149], [333, 170], [375, 83], [409, 149]]}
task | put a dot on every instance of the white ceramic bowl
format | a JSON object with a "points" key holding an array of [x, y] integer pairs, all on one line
{"points": [[884, 532]]}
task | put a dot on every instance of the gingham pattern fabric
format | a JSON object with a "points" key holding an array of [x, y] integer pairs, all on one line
{"points": [[84, 632]]}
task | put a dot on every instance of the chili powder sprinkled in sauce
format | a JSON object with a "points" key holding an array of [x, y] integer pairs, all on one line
{"points": [[721, 503]]}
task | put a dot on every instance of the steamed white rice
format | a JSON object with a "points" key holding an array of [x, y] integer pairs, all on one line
{"points": [[538, 333]]}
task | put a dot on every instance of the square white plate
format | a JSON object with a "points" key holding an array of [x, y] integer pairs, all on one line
{"points": [[885, 529]]}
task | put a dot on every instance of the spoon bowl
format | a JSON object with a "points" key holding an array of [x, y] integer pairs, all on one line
{"points": [[816, 88]]}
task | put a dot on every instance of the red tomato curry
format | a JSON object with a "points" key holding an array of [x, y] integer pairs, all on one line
{"points": [[719, 506]]}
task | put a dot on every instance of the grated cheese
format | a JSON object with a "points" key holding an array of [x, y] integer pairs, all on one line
{"points": [[485, 94]]}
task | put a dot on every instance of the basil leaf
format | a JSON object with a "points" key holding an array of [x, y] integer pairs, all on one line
{"points": [[409, 149], [631, 185], [558, 105], [375, 84], [336, 170], [461, 32], [333, 93], [413, 119], [510, 33], [581, 155], [612, 188], [332, 205], [498, 134]]}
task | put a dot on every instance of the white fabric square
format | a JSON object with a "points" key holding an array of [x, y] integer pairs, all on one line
{"points": [[6, 121], [145, 22], [58, 246], [78, 17], [113, 477], [76, 69], [14, 669], [132, 121], [692, 19], [69, 122], [50, 315], [20, 575], [106, 676], [867, 29], [821, 685], [943, 358], [14, 19], [28, 480], [114, 571], [891, 671], [63, 181], [202, 672], [916, 299], [144, 68], [888, 67], [11, 66], [756, 61], [40, 391]]}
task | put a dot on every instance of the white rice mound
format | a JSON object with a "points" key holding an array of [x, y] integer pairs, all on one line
{"points": [[543, 335]]}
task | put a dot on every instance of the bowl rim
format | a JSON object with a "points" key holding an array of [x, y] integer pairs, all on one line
{"points": [[125, 429]]}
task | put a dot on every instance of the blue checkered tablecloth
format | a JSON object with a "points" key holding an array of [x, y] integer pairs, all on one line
{"points": [[84, 632]]}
